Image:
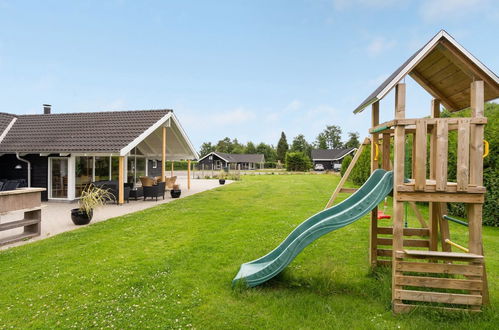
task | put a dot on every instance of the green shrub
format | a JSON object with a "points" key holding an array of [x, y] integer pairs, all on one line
{"points": [[179, 165], [297, 161], [362, 169], [270, 165], [344, 165]]}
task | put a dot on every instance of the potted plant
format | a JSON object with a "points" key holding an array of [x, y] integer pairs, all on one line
{"points": [[175, 192], [91, 198], [221, 177]]}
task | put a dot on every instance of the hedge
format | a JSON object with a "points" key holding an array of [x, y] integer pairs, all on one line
{"points": [[297, 161], [180, 165]]}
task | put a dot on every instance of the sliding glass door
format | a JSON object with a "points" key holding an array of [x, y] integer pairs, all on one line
{"points": [[58, 178]]}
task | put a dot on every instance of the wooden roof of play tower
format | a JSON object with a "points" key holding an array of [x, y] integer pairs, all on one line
{"points": [[445, 69]]}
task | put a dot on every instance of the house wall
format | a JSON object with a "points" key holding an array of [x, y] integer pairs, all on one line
{"points": [[152, 172], [39, 170], [207, 162], [328, 165]]}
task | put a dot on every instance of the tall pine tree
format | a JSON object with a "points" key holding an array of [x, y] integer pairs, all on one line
{"points": [[282, 147]]}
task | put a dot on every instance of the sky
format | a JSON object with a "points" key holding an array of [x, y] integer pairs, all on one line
{"points": [[243, 69]]}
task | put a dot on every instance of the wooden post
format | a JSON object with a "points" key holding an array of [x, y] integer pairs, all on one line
{"points": [[476, 167], [373, 229], [189, 174], [386, 151], [121, 180], [163, 156], [435, 208], [398, 178], [172, 169], [476, 178]]}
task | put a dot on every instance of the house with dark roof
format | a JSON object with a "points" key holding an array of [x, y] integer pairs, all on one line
{"points": [[331, 159], [219, 160], [64, 152]]}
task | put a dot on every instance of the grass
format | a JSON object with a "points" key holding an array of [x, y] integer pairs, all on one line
{"points": [[171, 266]]}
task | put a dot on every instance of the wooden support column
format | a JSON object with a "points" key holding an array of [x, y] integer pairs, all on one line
{"points": [[189, 174], [398, 179], [476, 167], [163, 158], [476, 177], [172, 170], [435, 208], [121, 180], [386, 151], [373, 232]]}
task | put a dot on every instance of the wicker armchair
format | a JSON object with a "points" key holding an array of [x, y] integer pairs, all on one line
{"points": [[154, 191], [146, 181]]}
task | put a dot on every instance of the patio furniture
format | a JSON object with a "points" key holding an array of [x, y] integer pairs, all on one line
{"points": [[146, 181], [136, 193], [154, 191], [170, 182], [112, 187]]}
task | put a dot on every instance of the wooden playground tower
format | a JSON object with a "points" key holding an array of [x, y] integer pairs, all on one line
{"points": [[424, 271]]}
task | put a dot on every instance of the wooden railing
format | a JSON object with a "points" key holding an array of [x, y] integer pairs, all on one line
{"points": [[469, 153]]}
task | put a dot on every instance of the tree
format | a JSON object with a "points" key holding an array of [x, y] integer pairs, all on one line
{"points": [[282, 147], [353, 141], [333, 137], [250, 148], [236, 147], [224, 145], [321, 141], [300, 144], [268, 151], [206, 148], [297, 161]]}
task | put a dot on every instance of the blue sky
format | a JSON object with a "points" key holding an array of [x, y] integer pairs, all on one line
{"points": [[243, 69]]}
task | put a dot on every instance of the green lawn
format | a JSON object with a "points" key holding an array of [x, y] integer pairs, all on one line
{"points": [[172, 266]]}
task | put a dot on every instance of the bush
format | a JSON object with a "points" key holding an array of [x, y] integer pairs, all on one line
{"points": [[344, 165], [179, 165], [362, 169], [297, 161], [270, 165]]}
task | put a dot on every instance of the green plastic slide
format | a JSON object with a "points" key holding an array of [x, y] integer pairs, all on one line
{"points": [[367, 197]]}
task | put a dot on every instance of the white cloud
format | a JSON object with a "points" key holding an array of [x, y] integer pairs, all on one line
{"points": [[379, 45], [294, 105], [434, 10], [233, 117]]}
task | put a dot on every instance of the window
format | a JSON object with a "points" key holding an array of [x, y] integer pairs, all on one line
{"points": [[115, 168], [102, 168], [84, 173], [154, 163]]}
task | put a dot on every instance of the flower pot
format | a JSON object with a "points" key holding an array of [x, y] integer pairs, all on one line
{"points": [[221, 181], [81, 217], [175, 193]]}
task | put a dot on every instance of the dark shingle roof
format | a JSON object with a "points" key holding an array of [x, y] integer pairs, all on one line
{"points": [[5, 120], [242, 158], [330, 154], [78, 132]]}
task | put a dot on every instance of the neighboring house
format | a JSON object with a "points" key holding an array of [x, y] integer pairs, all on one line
{"points": [[220, 160], [329, 157], [65, 152]]}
